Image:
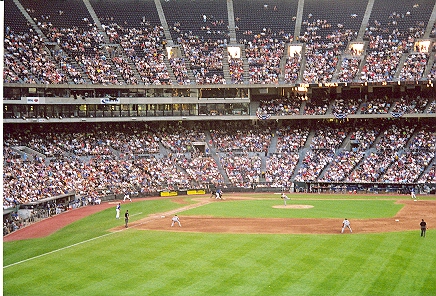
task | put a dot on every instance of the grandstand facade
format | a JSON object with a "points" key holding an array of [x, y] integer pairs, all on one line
{"points": [[106, 96]]}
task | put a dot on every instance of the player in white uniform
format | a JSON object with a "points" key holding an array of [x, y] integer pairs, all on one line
{"points": [[118, 209], [345, 224], [412, 193], [285, 197], [175, 219]]}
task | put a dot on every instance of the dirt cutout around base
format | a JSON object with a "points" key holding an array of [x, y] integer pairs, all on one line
{"points": [[408, 218]]}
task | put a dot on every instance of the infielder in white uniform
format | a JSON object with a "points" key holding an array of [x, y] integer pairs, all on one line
{"points": [[175, 219], [412, 193], [284, 197], [345, 224], [118, 209]]}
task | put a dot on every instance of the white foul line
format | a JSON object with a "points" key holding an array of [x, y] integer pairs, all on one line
{"points": [[64, 248]]}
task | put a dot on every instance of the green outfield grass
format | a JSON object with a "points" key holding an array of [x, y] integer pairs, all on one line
{"points": [[86, 259]]}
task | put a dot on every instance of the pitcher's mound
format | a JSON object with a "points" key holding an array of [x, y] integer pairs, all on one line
{"points": [[293, 207]]}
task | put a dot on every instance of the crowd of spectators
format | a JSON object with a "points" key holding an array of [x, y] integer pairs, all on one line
{"points": [[112, 162], [242, 170], [324, 44], [410, 105], [281, 106], [83, 53], [205, 58], [27, 61], [432, 73], [292, 68], [349, 69], [241, 139], [313, 164], [414, 67], [280, 166], [378, 105], [264, 52], [316, 106], [328, 138], [347, 106], [236, 70]]}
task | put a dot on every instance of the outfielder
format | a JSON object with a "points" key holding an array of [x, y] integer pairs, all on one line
{"points": [[175, 219], [345, 224], [284, 197]]}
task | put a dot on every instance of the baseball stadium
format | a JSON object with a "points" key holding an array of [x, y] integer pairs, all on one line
{"points": [[211, 147]]}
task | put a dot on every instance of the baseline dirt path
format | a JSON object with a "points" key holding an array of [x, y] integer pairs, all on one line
{"points": [[408, 219]]}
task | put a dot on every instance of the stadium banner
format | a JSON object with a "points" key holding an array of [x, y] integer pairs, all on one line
{"points": [[196, 191], [396, 114], [168, 193], [110, 100], [35, 100], [340, 115], [263, 116]]}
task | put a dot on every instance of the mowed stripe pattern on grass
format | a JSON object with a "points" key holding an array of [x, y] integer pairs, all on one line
{"points": [[155, 263], [137, 262]]}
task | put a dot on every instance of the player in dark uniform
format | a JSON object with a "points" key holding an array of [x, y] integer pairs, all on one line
{"points": [[126, 218], [423, 225]]}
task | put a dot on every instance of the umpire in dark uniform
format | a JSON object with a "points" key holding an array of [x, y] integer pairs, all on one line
{"points": [[423, 225], [126, 218]]}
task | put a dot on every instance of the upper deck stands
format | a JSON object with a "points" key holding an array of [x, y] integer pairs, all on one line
{"points": [[337, 15], [59, 13], [128, 13], [406, 18], [14, 19], [204, 19], [256, 15]]}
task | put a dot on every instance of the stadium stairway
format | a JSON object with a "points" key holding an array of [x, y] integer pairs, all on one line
{"points": [[303, 152], [400, 66], [245, 66], [430, 23], [30, 20], [302, 66], [429, 167], [232, 26], [429, 65], [338, 68], [365, 20], [271, 150], [283, 60], [96, 20], [164, 23], [215, 155], [226, 67], [298, 20]]}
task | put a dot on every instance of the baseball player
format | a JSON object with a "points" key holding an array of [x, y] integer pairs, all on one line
{"points": [[219, 194], [412, 193], [118, 209], [175, 219], [127, 196], [126, 218], [423, 225], [345, 224], [284, 197]]}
